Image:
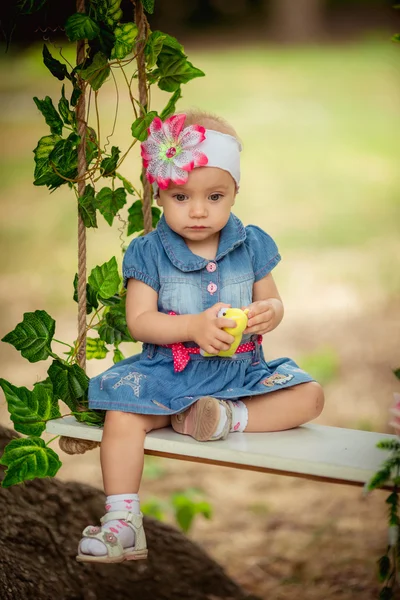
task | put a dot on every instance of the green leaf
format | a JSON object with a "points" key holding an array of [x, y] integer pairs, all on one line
{"points": [[108, 165], [92, 146], [112, 301], [95, 348], [33, 336], [91, 296], [108, 11], [67, 115], [383, 567], [55, 67], [386, 593], [135, 217], [28, 458], [392, 499], [97, 72], [113, 328], [140, 126], [397, 373], [204, 508], [127, 184], [44, 172], [81, 27], [70, 383], [153, 508], [50, 114], [105, 279], [125, 36], [153, 47], [148, 6], [76, 94], [171, 106], [109, 202], [104, 42], [380, 478], [184, 516], [30, 410], [87, 207], [171, 45], [117, 356], [91, 417], [389, 445], [174, 69], [64, 157], [396, 37]]}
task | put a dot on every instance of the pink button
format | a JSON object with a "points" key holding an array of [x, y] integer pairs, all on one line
{"points": [[211, 267], [211, 288]]}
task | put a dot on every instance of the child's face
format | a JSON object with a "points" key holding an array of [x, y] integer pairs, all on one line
{"points": [[200, 208]]}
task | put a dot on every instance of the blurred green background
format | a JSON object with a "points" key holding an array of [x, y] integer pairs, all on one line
{"points": [[320, 129]]}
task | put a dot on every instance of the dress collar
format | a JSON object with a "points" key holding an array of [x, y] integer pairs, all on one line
{"points": [[231, 236]]}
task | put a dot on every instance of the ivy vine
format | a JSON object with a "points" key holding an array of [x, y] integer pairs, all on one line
{"points": [[111, 43]]}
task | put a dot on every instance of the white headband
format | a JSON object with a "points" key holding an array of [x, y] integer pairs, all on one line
{"points": [[172, 151]]}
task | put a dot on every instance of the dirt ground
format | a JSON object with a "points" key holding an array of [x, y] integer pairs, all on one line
{"points": [[282, 537]]}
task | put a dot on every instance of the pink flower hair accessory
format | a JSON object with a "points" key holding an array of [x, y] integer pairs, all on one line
{"points": [[172, 151]]}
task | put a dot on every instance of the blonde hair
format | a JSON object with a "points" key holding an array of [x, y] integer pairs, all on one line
{"points": [[195, 116]]}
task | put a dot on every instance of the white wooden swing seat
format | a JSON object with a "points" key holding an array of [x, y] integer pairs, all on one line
{"points": [[316, 452]]}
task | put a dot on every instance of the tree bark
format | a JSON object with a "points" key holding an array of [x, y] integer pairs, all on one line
{"points": [[41, 525], [297, 21]]}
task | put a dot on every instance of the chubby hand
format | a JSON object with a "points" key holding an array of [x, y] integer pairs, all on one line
{"points": [[206, 329], [262, 316]]}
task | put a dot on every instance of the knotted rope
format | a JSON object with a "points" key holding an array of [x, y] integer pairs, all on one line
{"points": [[142, 25], [67, 444]]}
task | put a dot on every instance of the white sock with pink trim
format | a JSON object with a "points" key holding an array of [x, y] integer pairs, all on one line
{"points": [[240, 415], [128, 502]]}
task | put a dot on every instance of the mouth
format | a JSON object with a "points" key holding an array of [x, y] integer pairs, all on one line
{"points": [[198, 227]]}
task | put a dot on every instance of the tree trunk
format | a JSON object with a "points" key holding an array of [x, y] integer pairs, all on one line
{"points": [[40, 528], [296, 21]]}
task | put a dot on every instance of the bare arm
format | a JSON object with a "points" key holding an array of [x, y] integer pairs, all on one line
{"points": [[147, 324], [266, 310]]}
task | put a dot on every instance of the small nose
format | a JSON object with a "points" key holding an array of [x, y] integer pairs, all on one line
{"points": [[198, 209]]}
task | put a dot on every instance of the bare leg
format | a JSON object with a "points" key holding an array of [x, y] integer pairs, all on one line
{"points": [[285, 409], [121, 456], [121, 451]]}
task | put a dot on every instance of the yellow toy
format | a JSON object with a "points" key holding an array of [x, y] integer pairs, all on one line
{"points": [[238, 315]]}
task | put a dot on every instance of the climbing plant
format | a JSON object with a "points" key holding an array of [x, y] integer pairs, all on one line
{"points": [[74, 152], [389, 476]]}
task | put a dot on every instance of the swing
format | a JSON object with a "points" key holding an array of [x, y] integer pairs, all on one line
{"points": [[316, 452]]}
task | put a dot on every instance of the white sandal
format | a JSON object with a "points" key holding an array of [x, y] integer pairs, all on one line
{"points": [[116, 553]]}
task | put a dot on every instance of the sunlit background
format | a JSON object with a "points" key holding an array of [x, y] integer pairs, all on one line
{"points": [[313, 92]]}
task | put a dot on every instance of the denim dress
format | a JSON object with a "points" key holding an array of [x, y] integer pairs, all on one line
{"points": [[187, 284]]}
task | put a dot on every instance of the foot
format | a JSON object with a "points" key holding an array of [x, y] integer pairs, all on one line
{"points": [[202, 420], [118, 539], [115, 529]]}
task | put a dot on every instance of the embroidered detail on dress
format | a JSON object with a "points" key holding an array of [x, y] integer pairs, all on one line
{"points": [[276, 379], [133, 380]]}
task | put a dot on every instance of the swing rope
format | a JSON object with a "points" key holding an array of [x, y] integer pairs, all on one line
{"points": [[67, 444]]}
